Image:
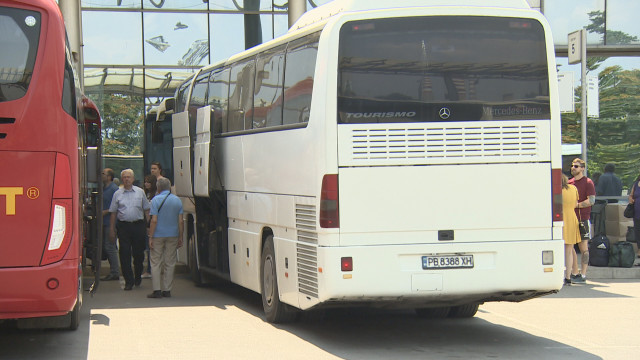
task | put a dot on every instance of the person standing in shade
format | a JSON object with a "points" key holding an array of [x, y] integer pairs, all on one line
{"points": [[156, 169], [586, 199], [165, 237], [108, 245], [609, 184], [129, 209], [634, 194], [150, 190]]}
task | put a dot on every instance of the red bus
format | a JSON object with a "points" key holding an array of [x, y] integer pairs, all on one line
{"points": [[43, 158]]}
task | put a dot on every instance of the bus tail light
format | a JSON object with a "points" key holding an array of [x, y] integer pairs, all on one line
{"points": [[329, 209], [346, 263], [60, 228], [556, 190], [60, 233]]}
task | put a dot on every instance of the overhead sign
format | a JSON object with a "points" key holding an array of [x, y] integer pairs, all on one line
{"points": [[593, 98], [565, 92], [575, 47]]}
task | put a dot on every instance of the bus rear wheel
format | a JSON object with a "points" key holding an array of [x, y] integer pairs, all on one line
{"points": [[74, 317], [275, 311], [464, 311]]}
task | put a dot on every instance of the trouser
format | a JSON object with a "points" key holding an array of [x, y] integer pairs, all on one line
{"points": [[131, 236], [111, 250], [636, 230], [163, 262]]}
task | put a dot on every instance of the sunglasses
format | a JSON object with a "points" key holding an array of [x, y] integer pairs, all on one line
{"points": [[576, 166]]}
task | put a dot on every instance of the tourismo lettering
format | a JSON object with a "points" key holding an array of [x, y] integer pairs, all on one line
{"points": [[390, 114]]}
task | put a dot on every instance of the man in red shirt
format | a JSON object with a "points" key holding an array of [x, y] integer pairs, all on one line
{"points": [[586, 198]]}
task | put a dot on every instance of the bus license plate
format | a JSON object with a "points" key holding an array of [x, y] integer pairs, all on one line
{"points": [[447, 262]]}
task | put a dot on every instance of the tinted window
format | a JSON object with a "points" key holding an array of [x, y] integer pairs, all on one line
{"points": [[181, 96], [197, 100], [241, 95], [410, 69], [19, 35], [267, 109], [298, 79], [69, 91], [219, 99]]}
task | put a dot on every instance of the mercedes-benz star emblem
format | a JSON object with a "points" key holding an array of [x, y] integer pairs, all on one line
{"points": [[444, 113]]}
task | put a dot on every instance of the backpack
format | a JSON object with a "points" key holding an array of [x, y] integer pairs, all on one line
{"points": [[599, 251], [622, 254]]}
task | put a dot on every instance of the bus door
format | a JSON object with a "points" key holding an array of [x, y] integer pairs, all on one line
{"points": [[182, 154]]}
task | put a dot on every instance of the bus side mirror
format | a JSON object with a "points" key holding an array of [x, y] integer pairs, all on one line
{"points": [[170, 104]]}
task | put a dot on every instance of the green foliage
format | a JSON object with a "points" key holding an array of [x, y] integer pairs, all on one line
{"points": [[614, 137], [122, 123]]}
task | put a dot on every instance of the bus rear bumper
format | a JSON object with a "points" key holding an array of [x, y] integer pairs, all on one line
{"points": [[32, 292], [395, 276]]}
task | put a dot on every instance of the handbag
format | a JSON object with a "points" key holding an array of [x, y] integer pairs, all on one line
{"points": [[629, 211], [582, 226]]}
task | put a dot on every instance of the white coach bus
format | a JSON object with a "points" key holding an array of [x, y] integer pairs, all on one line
{"points": [[395, 154]]}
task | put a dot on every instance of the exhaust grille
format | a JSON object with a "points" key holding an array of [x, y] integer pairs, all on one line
{"points": [[306, 223], [307, 250], [383, 144], [307, 269]]}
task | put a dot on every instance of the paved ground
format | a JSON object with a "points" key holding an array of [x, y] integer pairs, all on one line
{"points": [[598, 320]]}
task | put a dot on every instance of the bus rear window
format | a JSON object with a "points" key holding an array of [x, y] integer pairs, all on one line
{"points": [[19, 35], [448, 68]]}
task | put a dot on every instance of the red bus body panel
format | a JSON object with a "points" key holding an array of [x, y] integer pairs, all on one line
{"points": [[40, 133]]}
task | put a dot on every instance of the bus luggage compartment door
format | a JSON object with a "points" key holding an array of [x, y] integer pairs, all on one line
{"points": [[182, 154], [201, 152]]}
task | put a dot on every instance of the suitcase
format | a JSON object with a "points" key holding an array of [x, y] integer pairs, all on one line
{"points": [[599, 248], [622, 254]]}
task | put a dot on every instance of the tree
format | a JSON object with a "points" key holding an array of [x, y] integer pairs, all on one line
{"points": [[614, 137], [122, 123]]}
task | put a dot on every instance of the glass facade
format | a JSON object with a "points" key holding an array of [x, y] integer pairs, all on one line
{"points": [[137, 52]]}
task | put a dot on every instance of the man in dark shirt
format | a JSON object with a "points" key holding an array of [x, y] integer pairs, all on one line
{"points": [[109, 246], [609, 184]]}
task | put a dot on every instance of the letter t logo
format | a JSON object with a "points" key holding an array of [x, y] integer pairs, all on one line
{"points": [[11, 193]]}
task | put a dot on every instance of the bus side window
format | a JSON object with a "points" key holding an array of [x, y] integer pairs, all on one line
{"points": [[267, 110], [299, 71], [198, 99], [69, 91], [219, 100], [241, 96]]}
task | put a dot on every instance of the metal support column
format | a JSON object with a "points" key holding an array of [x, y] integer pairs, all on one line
{"points": [[296, 9], [73, 21]]}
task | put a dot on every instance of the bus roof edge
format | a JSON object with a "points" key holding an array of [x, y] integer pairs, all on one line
{"points": [[334, 7]]}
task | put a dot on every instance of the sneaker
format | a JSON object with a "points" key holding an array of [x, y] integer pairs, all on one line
{"points": [[146, 276], [166, 294], [567, 282], [156, 294], [578, 279]]}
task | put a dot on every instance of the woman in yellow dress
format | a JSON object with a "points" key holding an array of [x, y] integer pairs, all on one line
{"points": [[570, 231]]}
